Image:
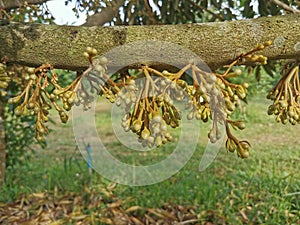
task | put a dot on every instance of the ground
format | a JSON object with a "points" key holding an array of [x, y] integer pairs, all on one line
{"points": [[263, 189]]}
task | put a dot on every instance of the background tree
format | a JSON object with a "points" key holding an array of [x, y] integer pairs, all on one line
{"points": [[24, 45]]}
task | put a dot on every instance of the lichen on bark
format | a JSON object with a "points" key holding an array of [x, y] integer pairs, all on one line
{"points": [[216, 43]]}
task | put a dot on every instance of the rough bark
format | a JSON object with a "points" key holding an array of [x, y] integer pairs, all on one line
{"points": [[216, 43], [12, 4], [2, 144]]}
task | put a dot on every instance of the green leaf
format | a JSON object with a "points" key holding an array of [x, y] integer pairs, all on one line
{"points": [[231, 3], [262, 8], [248, 10], [204, 3], [217, 3], [270, 69], [274, 9], [258, 73]]}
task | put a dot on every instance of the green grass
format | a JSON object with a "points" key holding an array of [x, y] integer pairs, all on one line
{"points": [[263, 189]]}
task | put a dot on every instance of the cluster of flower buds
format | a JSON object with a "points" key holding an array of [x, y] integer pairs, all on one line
{"points": [[149, 104], [149, 101], [170, 113], [232, 143], [232, 96], [127, 96], [241, 147], [257, 58], [42, 91], [33, 100], [149, 109], [176, 88], [286, 97], [93, 80], [153, 133], [90, 53], [215, 133], [203, 94], [67, 97], [84, 98], [4, 76]]}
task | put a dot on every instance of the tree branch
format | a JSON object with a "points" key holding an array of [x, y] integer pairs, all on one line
{"points": [[105, 15], [285, 6], [216, 44], [9, 4]]}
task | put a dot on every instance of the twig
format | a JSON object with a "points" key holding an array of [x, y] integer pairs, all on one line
{"points": [[188, 221], [285, 6], [150, 12], [105, 15], [292, 194], [207, 10]]}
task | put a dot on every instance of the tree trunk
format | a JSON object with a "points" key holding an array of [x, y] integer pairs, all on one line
{"points": [[216, 44], [2, 144]]}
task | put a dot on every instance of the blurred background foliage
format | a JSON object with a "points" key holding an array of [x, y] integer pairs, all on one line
{"points": [[145, 12]]}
